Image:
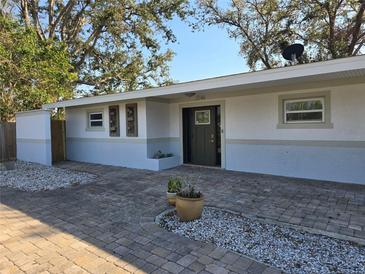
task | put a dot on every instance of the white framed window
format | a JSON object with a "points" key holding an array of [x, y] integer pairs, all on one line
{"points": [[308, 110], [95, 119], [305, 110]]}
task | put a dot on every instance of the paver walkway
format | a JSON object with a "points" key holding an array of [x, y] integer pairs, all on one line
{"points": [[107, 226]]}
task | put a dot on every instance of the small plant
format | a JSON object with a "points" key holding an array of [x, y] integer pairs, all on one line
{"points": [[174, 185], [160, 155], [188, 191], [189, 202]]}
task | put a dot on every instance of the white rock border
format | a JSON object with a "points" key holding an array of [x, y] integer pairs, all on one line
{"points": [[36, 177], [289, 249]]}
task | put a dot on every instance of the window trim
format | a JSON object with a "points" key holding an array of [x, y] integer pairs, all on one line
{"points": [[323, 110], [95, 128], [135, 106], [326, 117], [117, 134]]}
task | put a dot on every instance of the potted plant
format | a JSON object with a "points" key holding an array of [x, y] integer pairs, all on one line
{"points": [[189, 203], [173, 186]]}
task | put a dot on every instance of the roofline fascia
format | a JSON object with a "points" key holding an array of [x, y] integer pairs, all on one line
{"points": [[241, 79]]}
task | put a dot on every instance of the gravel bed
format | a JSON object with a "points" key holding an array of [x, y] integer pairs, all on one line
{"points": [[35, 177], [290, 250]]}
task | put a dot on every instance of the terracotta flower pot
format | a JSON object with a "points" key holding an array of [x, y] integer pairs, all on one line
{"points": [[189, 209], [171, 198]]}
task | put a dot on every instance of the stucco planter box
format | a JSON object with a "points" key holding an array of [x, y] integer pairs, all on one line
{"points": [[165, 163]]}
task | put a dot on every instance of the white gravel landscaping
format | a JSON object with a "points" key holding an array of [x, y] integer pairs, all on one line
{"points": [[288, 249], [35, 177]]}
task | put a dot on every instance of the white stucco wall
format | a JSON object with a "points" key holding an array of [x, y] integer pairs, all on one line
{"points": [[33, 136], [158, 129], [77, 119], [96, 146], [256, 116], [175, 120], [157, 119], [254, 143]]}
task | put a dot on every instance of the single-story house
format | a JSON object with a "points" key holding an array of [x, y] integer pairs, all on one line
{"points": [[305, 121]]}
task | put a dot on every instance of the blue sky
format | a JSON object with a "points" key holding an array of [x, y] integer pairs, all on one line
{"points": [[205, 54]]}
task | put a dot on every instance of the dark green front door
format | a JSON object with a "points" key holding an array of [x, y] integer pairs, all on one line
{"points": [[200, 132]]}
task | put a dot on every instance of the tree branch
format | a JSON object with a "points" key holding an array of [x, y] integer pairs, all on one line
{"points": [[64, 11], [357, 27], [90, 45], [78, 21], [237, 24], [51, 4], [25, 12], [34, 9]]}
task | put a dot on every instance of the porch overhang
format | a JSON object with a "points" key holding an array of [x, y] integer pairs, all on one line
{"points": [[333, 72]]}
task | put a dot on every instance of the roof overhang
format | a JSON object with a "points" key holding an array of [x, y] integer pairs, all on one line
{"points": [[345, 68]]}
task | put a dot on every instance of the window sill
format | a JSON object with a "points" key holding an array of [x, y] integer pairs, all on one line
{"points": [[305, 126], [95, 129]]}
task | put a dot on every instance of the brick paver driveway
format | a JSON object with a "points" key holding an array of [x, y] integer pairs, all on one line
{"points": [[107, 226]]}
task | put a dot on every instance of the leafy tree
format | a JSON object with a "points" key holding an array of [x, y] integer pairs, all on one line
{"points": [[332, 28], [32, 71], [257, 25], [328, 28], [115, 45]]}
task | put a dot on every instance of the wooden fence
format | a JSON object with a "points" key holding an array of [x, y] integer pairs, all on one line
{"points": [[58, 136], [7, 141]]}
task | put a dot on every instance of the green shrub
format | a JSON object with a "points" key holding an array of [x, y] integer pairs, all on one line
{"points": [[174, 185], [160, 155]]}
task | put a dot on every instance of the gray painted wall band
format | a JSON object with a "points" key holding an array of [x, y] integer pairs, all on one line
{"points": [[163, 139], [33, 141], [124, 140], [109, 140], [320, 143]]}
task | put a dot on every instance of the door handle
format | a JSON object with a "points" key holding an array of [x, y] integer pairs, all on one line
{"points": [[212, 138]]}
